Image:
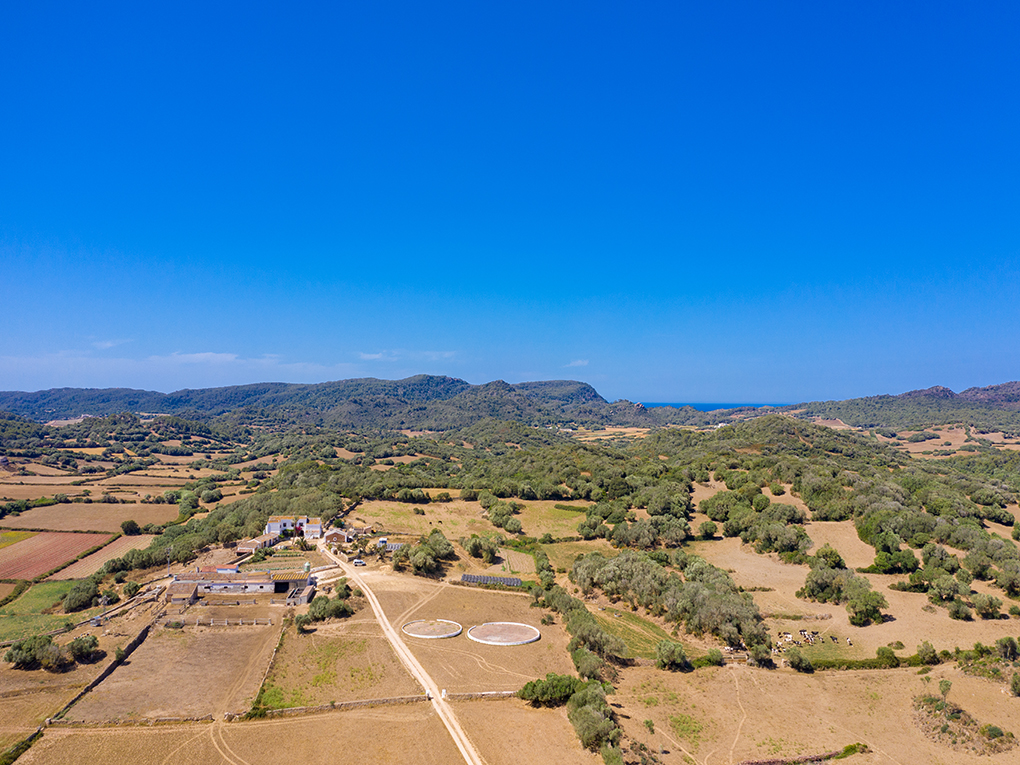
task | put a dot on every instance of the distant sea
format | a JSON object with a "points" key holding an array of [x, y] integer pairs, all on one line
{"points": [[708, 407]]}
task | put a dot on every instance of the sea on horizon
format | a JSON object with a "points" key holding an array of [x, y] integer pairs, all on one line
{"points": [[701, 407]]}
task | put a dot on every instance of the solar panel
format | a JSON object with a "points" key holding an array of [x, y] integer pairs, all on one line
{"points": [[506, 581]]}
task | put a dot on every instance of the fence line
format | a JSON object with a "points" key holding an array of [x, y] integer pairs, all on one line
{"points": [[336, 705], [217, 622]]}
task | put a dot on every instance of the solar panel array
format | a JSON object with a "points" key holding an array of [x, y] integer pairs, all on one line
{"points": [[508, 581]]}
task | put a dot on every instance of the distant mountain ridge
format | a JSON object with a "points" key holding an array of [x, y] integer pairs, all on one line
{"points": [[994, 407], [426, 402]]}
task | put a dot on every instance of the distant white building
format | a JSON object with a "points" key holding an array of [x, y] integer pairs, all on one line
{"points": [[309, 528]]}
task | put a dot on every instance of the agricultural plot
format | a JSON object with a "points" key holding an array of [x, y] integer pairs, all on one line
{"points": [[456, 519], [397, 735], [8, 538], [92, 563], [93, 517], [342, 661], [562, 554], [36, 611], [514, 562], [44, 552], [184, 673]]}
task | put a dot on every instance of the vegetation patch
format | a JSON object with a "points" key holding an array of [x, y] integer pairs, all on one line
{"points": [[947, 724]]}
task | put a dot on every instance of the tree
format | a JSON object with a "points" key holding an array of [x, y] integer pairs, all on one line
{"points": [[799, 661], [671, 656], [944, 688], [1014, 684], [84, 648], [1007, 648], [927, 653], [707, 530], [130, 528]]}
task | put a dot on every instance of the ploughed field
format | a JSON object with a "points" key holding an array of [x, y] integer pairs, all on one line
{"points": [[90, 564], [44, 552], [93, 517]]}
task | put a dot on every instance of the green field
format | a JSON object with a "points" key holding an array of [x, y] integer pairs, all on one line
{"points": [[640, 635], [10, 537], [562, 554], [24, 617]]}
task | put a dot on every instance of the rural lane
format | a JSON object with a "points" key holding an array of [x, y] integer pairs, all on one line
{"points": [[442, 707]]}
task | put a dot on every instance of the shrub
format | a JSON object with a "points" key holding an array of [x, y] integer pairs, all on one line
{"points": [[554, 691], [671, 656], [958, 610], [130, 528], [887, 658], [926, 653], [81, 596], [799, 661], [1014, 684], [84, 648], [707, 530], [131, 589], [40, 651]]}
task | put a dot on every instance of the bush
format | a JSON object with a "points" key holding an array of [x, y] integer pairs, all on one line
{"points": [[84, 648], [671, 656], [886, 657], [799, 661], [926, 653], [81, 596], [1014, 684], [554, 691], [130, 528], [38, 651], [958, 610], [131, 589]]}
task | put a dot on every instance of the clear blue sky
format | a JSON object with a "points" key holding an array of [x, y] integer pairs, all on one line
{"points": [[722, 201]]}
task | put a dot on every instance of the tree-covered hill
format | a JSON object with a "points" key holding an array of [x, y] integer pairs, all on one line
{"points": [[996, 407], [422, 402]]}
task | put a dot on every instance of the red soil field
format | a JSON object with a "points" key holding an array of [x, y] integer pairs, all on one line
{"points": [[43, 552], [92, 563]]}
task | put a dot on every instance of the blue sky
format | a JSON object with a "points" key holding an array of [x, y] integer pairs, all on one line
{"points": [[674, 201]]}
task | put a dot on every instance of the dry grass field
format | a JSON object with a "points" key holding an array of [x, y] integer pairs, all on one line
{"points": [[44, 552], [461, 665], [184, 673], [92, 563], [913, 618], [730, 714], [338, 661], [28, 697], [539, 735], [6, 588], [455, 519], [397, 735]]}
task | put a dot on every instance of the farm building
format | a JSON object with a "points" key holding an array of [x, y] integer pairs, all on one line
{"points": [[310, 528], [300, 597], [213, 582], [182, 593], [249, 547]]}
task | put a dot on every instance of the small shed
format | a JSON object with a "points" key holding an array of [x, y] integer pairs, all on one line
{"points": [[182, 593]]}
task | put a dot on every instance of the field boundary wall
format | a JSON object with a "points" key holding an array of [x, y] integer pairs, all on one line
{"points": [[334, 706], [481, 696], [136, 641]]}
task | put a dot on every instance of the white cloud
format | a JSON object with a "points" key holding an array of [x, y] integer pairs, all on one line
{"points": [[370, 356], [578, 363], [104, 345]]}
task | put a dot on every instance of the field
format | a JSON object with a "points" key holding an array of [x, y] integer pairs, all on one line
{"points": [[44, 552], [97, 516], [641, 635], [25, 616], [394, 735], [190, 672], [562, 554], [913, 618], [340, 661], [6, 588], [461, 665], [735, 713], [8, 538], [537, 733], [92, 563]]}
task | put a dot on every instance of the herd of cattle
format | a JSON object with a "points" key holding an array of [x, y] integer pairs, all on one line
{"points": [[786, 640]]}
